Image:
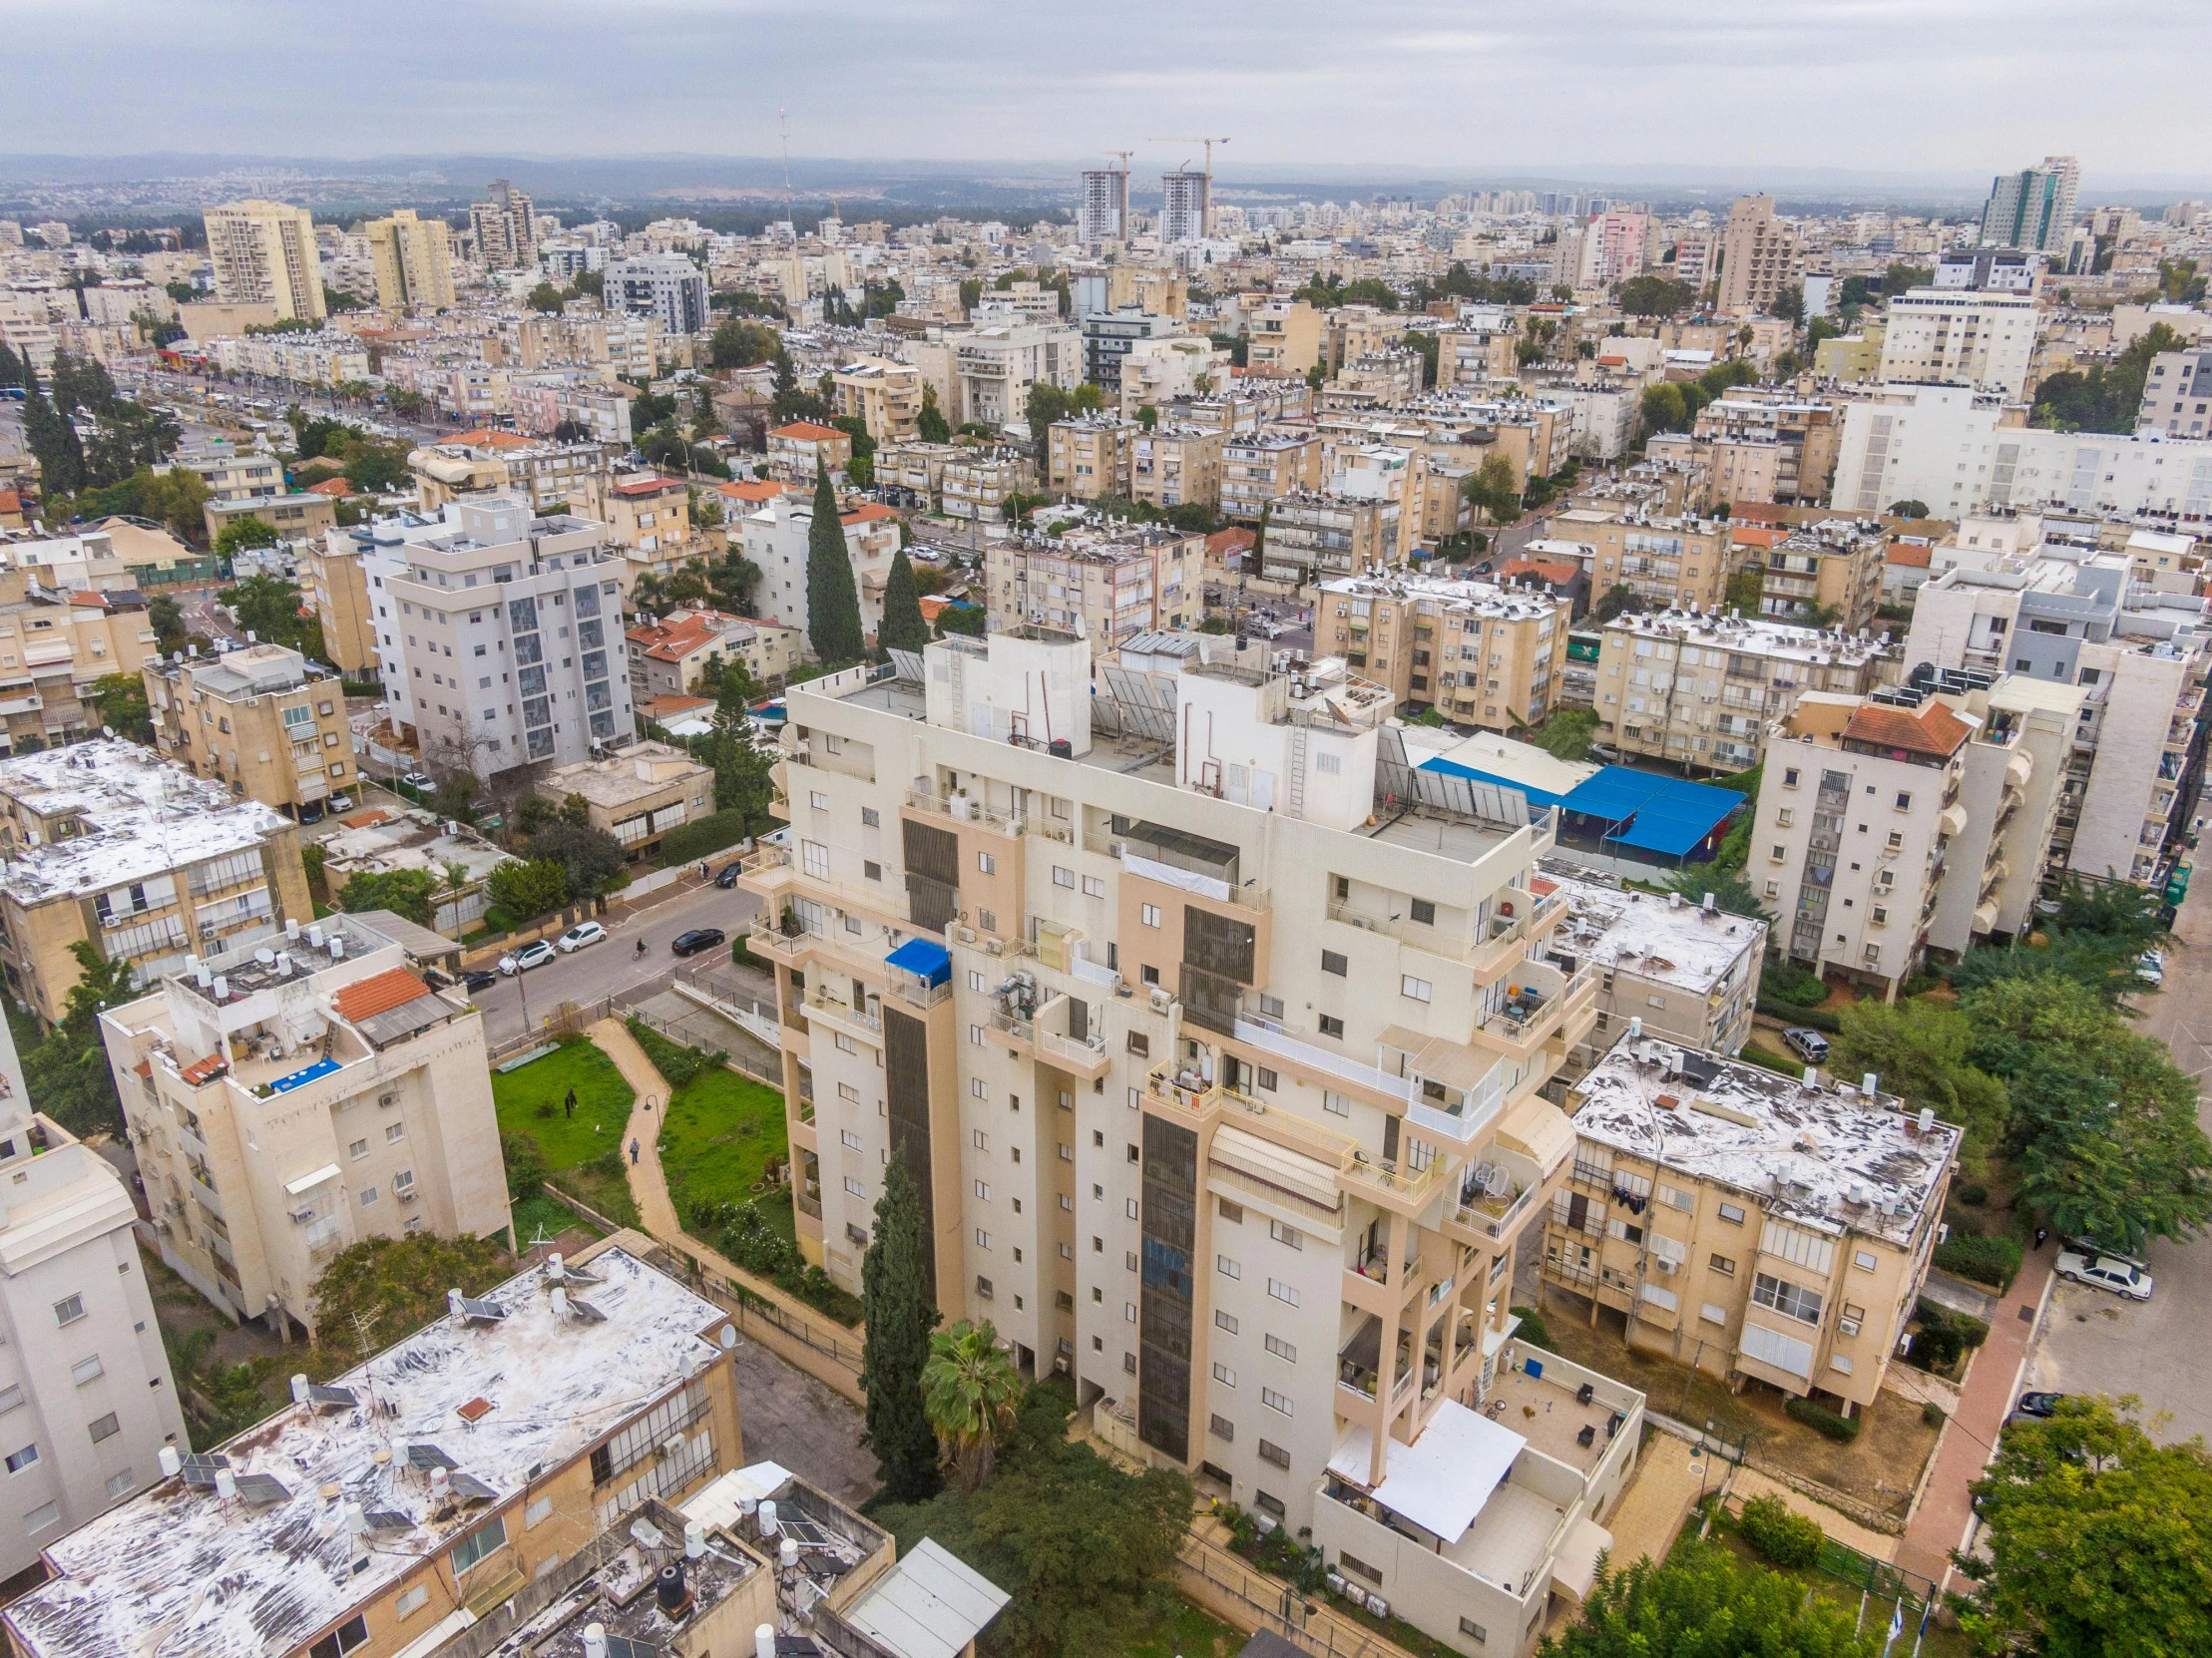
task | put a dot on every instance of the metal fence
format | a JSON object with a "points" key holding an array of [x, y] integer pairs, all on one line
{"points": [[834, 1343], [1881, 1584], [1277, 1606]]}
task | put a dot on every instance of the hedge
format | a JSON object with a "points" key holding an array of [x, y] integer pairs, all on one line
{"points": [[1811, 1019], [672, 1060], [1779, 1532], [695, 839], [1822, 1419], [1534, 1332], [1992, 1261]]}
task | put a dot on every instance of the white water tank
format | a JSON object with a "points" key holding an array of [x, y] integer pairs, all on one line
{"points": [[767, 1518]]}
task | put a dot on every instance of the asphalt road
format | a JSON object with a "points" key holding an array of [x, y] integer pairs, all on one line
{"points": [[2095, 1342], [604, 970]]}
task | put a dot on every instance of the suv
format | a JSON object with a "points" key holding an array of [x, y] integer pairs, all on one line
{"points": [[2106, 1272], [528, 957], [1808, 1045]]}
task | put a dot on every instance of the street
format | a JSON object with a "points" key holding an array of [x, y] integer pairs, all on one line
{"points": [[609, 969]]}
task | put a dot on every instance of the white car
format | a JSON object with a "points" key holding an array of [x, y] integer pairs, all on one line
{"points": [[2106, 1272], [2150, 968], [582, 934], [341, 803], [528, 957]]}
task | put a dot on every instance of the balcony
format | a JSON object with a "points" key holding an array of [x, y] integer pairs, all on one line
{"points": [[856, 1022], [1014, 1032], [767, 871], [1083, 1056], [964, 808], [1495, 1219], [792, 949], [1183, 1096], [1536, 1009], [1392, 1183], [1508, 937]]}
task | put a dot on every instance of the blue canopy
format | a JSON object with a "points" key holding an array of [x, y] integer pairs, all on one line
{"points": [[930, 963], [1454, 768], [1657, 814]]}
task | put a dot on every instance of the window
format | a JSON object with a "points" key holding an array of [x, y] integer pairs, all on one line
{"points": [[1360, 1568], [1093, 886], [1904, 800], [45, 1514], [1286, 1235], [1151, 975], [982, 1141], [1148, 914], [870, 818], [1424, 912], [1265, 1079], [1139, 1044], [490, 1535], [1841, 1362], [1335, 1105], [358, 1149], [1064, 877], [1220, 1427], [1334, 962], [19, 1460], [1474, 1631], [1863, 1259], [10, 1398], [394, 1132], [1331, 1026], [1285, 1293], [69, 1310], [413, 1600], [854, 1188], [1417, 990], [852, 1141], [1231, 1212], [104, 1427], [983, 1238], [818, 800], [1275, 1400], [983, 1190], [1722, 1265], [1731, 1214], [976, 1085], [984, 1289], [1223, 1375], [368, 1197], [1225, 1321], [1787, 1298], [1282, 1348], [1227, 1268], [537, 1513], [120, 1482], [1712, 1314], [87, 1369]]}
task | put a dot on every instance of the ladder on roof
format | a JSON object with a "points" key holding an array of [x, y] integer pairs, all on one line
{"points": [[1298, 771]]}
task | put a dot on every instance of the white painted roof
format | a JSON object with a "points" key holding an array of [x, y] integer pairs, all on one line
{"points": [[1443, 1479], [929, 1605]]}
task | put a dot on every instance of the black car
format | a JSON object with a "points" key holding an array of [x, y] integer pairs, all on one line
{"points": [[729, 876], [481, 980], [2042, 1405], [697, 940]]}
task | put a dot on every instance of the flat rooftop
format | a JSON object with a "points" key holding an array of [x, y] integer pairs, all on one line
{"points": [[1831, 1160], [180, 1570], [1644, 934]]}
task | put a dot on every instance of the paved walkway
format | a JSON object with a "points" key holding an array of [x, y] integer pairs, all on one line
{"points": [[1650, 1514], [648, 1184], [1969, 1439]]}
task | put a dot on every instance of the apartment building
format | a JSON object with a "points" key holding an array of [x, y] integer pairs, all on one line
{"points": [[2012, 788], [1351, 332], [334, 583], [544, 402], [107, 842], [2034, 208], [637, 795], [446, 1518], [1961, 336], [1172, 1036], [1478, 652], [1164, 370], [1283, 338], [548, 473], [1314, 536], [500, 638], [91, 1401], [1110, 337], [262, 720], [647, 514], [994, 366], [1667, 562], [886, 395], [1105, 581], [667, 287], [231, 472], [1688, 974], [1261, 468], [979, 481], [1089, 456], [1477, 354], [1253, 405], [1176, 466], [685, 651], [1833, 568], [263, 253], [1704, 690], [2069, 615], [1103, 215], [1676, 1150], [504, 229], [1769, 449], [801, 448], [70, 617], [1759, 255], [775, 538], [413, 259], [290, 516], [311, 1092], [2177, 395]]}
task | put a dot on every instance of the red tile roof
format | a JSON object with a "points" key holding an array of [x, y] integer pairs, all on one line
{"points": [[486, 438], [752, 489], [10, 502], [1933, 729], [1910, 555], [335, 488], [806, 429], [379, 994], [1543, 570], [1755, 535], [868, 511], [205, 1070], [647, 486], [664, 708], [1223, 541]]}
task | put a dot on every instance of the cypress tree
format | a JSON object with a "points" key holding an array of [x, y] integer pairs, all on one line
{"points": [[52, 438], [902, 628], [832, 598], [895, 1301]]}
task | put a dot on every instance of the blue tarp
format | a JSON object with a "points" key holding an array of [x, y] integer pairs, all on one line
{"points": [[1657, 814], [300, 1078], [930, 963], [1452, 769]]}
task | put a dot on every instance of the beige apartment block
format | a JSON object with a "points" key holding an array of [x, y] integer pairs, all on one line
{"points": [[232, 473], [1107, 581], [685, 651], [1786, 447], [70, 617], [637, 795], [1759, 255], [1703, 691], [1089, 456], [1252, 405], [1687, 973], [333, 578], [1961, 337], [450, 1526], [1378, 380], [1141, 974], [1479, 652], [292, 517], [1476, 353], [1285, 338], [1834, 566], [547, 474], [648, 516], [1314, 536], [107, 843], [260, 720], [1351, 332], [916, 466], [1157, 372], [263, 253], [1176, 466], [1261, 468], [1667, 562], [311, 1093], [1746, 1223], [979, 481], [413, 259], [885, 394], [801, 448]]}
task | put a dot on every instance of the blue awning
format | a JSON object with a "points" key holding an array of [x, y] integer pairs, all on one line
{"points": [[1473, 774], [300, 1078], [1653, 813], [930, 963]]}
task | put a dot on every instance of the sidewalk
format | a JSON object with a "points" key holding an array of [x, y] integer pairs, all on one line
{"points": [[1649, 1515], [1969, 1437], [647, 1183]]}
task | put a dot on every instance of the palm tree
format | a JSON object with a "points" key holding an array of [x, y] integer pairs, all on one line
{"points": [[970, 1390]]}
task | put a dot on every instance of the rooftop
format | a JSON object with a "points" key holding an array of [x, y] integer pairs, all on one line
{"points": [[1819, 645], [254, 670], [1932, 728], [1646, 935], [641, 769], [180, 1568], [1834, 1159]]}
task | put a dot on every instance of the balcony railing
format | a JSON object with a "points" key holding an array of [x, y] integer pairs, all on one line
{"points": [[1077, 1050], [964, 808], [1194, 1098], [1497, 1218], [828, 1005]]}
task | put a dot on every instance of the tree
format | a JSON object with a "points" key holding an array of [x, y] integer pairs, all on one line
{"points": [[167, 617], [529, 888], [2100, 1541], [2109, 396], [1664, 408], [589, 857], [1490, 491], [1655, 296], [1566, 734], [404, 891], [902, 628], [11, 366], [899, 1313], [832, 598], [737, 344], [268, 607], [546, 298], [970, 1391], [243, 534], [1920, 1050], [121, 699], [1908, 508], [930, 424], [1789, 303], [52, 440], [1900, 279], [67, 1074], [1700, 1603], [968, 619], [386, 1288], [1619, 600]]}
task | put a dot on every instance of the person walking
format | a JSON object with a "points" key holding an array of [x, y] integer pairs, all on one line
{"points": [[569, 1104], [634, 1151], [2042, 1233]]}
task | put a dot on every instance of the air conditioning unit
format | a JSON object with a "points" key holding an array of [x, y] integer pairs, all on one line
{"points": [[1663, 1264], [1060, 1365], [1848, 1327], [1336, 1583], [406, 1194], [966, 935], [391, 1099], [996, 947], [1018, 826], [1265, 1524], [1378, 1605], [301, 1217], [1161, 1000], [672, 1445]]}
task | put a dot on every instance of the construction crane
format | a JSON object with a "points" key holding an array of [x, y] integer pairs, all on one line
{"points": [[1209, 142]]}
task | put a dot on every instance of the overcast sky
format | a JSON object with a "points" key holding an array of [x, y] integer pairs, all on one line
{"points": [[1960, 87]]}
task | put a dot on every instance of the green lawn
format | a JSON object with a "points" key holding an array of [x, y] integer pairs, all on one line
{"points": [[529, 1102], [541, 1213], [717, 1138], [1185, 1632]]}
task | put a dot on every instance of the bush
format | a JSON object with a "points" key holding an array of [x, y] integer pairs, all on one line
{"points": [[1973, 1331], [1787, 982], [694, 841], [1778, 1532], [1935, 1346], [1931, 1413], [1920, 984], [1534, 1331], [1973, 1197], [526, 1166], [1813, 1019], [1992, 1261], [1823, 1421], [679, 1064]]}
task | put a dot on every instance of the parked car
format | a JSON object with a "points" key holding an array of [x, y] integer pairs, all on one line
{"points": [[528, 957], [479, 978], [582, 934], [418, 780], [2150, 968], [2037, 1404], [697, 940], [730, 873], [1808, 1045], [2106, 1272], [341, 803]]}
